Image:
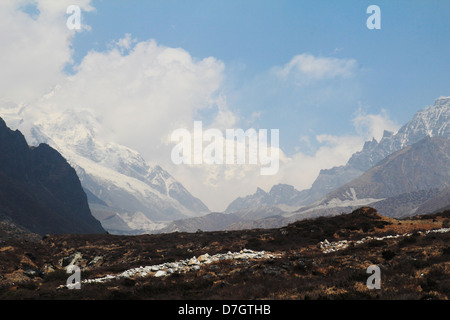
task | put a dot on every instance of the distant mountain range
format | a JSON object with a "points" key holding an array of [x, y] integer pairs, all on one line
{"points": [[421, 166], [283, 195], [414, 180], [405, 173], [434, 121], [412, 175], [40, 192]]}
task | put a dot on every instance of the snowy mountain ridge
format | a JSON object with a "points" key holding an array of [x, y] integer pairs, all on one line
{"points": [[115, 174], [433, 121], [281, 196]]}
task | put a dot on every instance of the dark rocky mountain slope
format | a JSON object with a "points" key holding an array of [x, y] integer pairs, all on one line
{"points": [[39, 190]]}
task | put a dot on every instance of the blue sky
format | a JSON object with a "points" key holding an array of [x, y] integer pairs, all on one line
{"points": [[401, 68]]}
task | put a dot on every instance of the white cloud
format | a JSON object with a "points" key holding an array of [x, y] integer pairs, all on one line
{"points": [[218, 185], [225, 118], [35, 47], [124, 43], [302, 169], [373, 125], [306, 68], [143, 95]]}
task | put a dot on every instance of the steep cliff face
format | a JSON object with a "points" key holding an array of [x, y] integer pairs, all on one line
{"points": [[39, 190]]}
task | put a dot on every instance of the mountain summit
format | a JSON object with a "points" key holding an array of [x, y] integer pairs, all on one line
{"points": [[126, 194], [398, 185], [433, 121]]}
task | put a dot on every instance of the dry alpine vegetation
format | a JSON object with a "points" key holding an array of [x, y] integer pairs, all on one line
{"points": [[414, 263]]}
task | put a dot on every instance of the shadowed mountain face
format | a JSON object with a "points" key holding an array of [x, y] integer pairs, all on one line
{"points": [[39, 190]]}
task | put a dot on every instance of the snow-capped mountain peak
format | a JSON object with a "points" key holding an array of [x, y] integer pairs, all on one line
{"points": [[432, 121], [115, 174]]}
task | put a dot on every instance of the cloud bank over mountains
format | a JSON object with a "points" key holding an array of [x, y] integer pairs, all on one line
{"points": [[141, 91]]}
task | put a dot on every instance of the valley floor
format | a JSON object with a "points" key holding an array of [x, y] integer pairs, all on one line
{"points": [[322, 258]]}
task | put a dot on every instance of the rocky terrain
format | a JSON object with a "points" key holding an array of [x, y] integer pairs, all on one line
{"points": [[321, 258]]}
